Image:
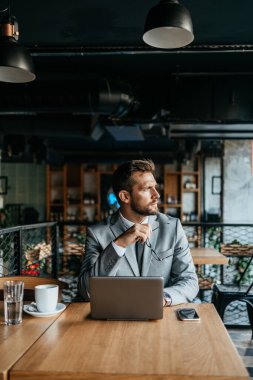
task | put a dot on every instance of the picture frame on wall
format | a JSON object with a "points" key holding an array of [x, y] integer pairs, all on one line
{"points": [[216, 185]]}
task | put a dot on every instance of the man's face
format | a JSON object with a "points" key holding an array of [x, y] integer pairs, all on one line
{"points": [[144, 196]]}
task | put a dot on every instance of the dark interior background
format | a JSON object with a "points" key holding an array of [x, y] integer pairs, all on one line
{"points": [[102, 94]]}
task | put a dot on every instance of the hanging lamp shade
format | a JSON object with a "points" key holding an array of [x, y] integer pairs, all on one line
{"points": [[168, 26], [16, 65]]}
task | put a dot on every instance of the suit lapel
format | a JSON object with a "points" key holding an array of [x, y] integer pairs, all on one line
{"points": [[130, 255], [147, 255], [115, 225]]}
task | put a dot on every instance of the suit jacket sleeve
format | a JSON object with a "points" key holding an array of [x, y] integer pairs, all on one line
{"points": [[97, 261]]}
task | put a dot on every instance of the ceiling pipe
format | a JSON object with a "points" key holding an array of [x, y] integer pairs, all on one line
{"points": [[102, 97], [137, 50]]}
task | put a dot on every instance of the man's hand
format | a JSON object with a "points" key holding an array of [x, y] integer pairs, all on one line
{"points": [[138, 232]]}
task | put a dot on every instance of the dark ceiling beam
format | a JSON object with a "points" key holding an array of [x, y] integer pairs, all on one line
{"points": [[82, 51], [34, 126]]}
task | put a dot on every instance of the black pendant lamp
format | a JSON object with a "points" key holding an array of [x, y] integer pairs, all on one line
{"points": [[16, 65], [168, 26]]}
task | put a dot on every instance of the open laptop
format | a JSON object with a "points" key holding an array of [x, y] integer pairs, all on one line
{"points": [[126, 298]]}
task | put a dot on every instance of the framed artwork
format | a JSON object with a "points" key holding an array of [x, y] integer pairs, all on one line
{"points": [[216, 185]]}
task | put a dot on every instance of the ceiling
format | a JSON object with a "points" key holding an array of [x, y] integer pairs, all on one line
{"points": [[101, 93]]}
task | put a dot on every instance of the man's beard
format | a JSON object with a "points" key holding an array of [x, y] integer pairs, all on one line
{"points": [[144, 211]]}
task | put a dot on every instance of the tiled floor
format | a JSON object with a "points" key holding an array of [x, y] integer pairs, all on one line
{"points": [[244, 344]]}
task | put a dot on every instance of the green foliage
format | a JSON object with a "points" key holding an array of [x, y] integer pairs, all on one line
{"points": [[236, 242], [214, 237], [240, 266]]}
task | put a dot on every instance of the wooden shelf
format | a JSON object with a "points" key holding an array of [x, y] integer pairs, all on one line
{"points": [[186, 206], [173, 172], [190, 173]]}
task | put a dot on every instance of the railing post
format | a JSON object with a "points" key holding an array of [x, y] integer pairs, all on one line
{"points": [[204, 234], [55, 244], [18, 251]]}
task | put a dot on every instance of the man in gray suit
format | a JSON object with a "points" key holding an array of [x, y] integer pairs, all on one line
{"points": [[138, 240]]}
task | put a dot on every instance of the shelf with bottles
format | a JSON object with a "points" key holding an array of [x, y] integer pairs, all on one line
{"points": [[172, 211], [192, 166], [73, 185], [56, 177], [90, 204], [56, 214], [170, 205], [190, 211], [56, 195], [73, 195], [172, 196], [193, 234], [190, 191], [108, 200], [188, 217], [190, 183]]}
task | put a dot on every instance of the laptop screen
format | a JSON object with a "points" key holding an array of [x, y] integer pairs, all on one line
{"points": [[126, 298]]}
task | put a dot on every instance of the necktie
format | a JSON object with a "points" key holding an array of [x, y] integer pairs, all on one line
{"points": [[139, 247]]}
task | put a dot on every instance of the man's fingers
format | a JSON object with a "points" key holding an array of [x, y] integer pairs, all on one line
{"points": [[145, 229], [142, 235], [138, 232]]}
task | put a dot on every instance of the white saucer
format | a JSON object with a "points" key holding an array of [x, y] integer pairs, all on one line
{"points": [[59, 308]]}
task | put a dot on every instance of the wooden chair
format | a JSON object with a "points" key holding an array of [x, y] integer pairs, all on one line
{"points": [[30, 282]]}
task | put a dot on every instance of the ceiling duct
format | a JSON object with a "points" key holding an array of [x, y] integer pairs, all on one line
{"points": [[114, 98], [103, 96]]}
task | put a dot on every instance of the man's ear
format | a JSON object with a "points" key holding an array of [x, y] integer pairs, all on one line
{"points": [[124, 196]]}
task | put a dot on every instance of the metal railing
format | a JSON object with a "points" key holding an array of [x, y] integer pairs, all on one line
{"points": [[233, 240], [30, 250]]}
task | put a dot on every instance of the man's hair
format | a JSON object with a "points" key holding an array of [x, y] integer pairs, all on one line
{"points": [[121, 178]]}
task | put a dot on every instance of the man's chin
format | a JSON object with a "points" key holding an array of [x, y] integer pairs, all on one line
{"points": [[153, 210]]}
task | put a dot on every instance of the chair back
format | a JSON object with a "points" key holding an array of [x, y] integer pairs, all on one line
{"points": [[30, 282]]}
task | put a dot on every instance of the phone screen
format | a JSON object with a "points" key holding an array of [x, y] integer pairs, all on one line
{"points": [[188, 314]]}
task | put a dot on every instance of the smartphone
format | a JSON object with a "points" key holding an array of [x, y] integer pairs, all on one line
{"points": [[187, 314]]}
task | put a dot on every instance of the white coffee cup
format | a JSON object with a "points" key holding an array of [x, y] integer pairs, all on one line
{"points": [[46, 297]]}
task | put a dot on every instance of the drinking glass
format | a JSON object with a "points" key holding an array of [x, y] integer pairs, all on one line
{"points": [[13, 302]]}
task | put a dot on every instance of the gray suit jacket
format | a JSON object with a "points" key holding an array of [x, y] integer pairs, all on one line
{"points": [[167, 239]]}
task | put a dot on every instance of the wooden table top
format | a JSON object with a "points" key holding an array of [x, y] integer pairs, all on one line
{"points": [[208, 256], [76, 347], [16, 339]]}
